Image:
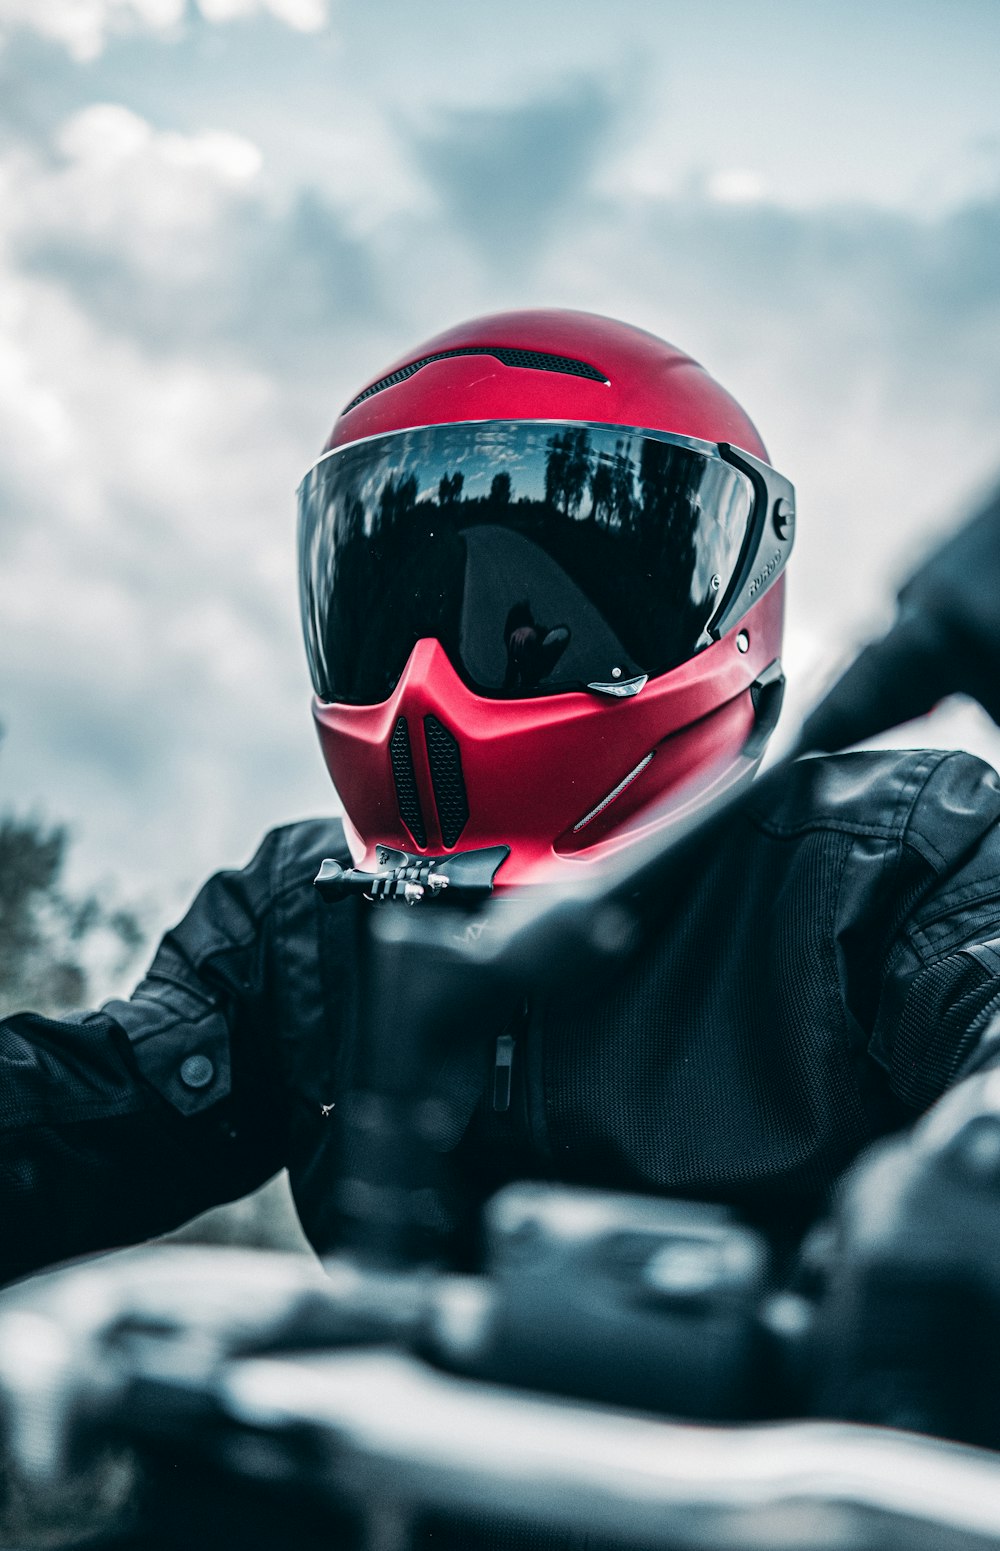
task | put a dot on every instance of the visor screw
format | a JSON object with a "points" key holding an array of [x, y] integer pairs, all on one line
{"points": [[742, 642], [716, 582], [616, 673], [783, 517]]}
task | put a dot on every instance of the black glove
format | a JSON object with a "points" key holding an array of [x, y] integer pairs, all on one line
{"points": [[907, 1332], [946, 640]]}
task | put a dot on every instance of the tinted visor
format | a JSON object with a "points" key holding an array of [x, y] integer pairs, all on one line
{"points": [[543, 557]]}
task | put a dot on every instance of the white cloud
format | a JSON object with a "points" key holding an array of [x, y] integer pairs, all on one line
{"points": [[31, 405], [147, 573], [735, 186], [120, 187], [107, 138], [153, 677], [84, 27], [303, 15]]}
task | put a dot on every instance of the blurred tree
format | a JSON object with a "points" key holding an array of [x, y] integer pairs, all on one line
{"points": [[45, 931]]}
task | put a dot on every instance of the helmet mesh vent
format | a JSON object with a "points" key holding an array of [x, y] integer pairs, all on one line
{"points": [[449, 783], [537, 360], [406, 784]]}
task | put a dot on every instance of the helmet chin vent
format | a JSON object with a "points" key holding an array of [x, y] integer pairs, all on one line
{"points": [[535, 360], [449, 783], [401, 755]]}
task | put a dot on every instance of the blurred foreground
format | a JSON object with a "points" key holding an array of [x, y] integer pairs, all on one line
{"points": [[264, 1220]]}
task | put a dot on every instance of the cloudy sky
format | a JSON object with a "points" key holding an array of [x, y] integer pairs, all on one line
{"points": [[218, 217]]}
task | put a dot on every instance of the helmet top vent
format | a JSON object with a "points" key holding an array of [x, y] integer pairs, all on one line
{"points": [[537, 360]]}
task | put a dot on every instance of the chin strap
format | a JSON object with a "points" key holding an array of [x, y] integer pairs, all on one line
{"points": [[462, 876]]}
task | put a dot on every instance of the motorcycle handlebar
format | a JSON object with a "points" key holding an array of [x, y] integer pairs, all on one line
{"points": [[418, 1440], [243, 1362]]}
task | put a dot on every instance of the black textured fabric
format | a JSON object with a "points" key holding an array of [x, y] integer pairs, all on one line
{"points": [[536, 360], [777, 1105], [937, 1029]]}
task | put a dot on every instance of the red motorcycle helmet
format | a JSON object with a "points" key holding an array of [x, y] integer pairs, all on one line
{"points": [[541, 578]]}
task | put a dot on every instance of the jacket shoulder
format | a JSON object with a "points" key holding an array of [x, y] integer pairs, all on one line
{"points": [[231, 909], [292, 854], [938, 801], [214, 972]]}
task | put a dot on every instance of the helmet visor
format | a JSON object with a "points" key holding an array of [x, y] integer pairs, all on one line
{"points": [[543, 557]]}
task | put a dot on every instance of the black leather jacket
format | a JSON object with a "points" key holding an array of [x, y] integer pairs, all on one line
{"points": [[830, 968]]}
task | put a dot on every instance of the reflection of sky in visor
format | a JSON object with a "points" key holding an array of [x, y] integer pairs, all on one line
{"points": [[362, 472], [481, 452], [493, 450]]}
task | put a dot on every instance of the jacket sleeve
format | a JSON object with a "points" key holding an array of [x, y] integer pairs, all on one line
{"points": [[123, 1123], [938, 1009]]}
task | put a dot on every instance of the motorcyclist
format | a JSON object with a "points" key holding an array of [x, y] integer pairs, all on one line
{"points": [[542, 580]]}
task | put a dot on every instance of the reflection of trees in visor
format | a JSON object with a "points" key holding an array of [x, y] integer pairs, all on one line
{"points": [[542, 558]]}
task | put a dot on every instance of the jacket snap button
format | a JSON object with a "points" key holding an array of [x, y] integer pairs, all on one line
{"points": [[197, 1072]]}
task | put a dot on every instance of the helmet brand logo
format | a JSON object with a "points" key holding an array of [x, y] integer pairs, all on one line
{"points": [[765, 575]]}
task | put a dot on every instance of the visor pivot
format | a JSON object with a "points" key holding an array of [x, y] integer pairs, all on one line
{"points": [[716, 582], [742, 642], [783, 517]]}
